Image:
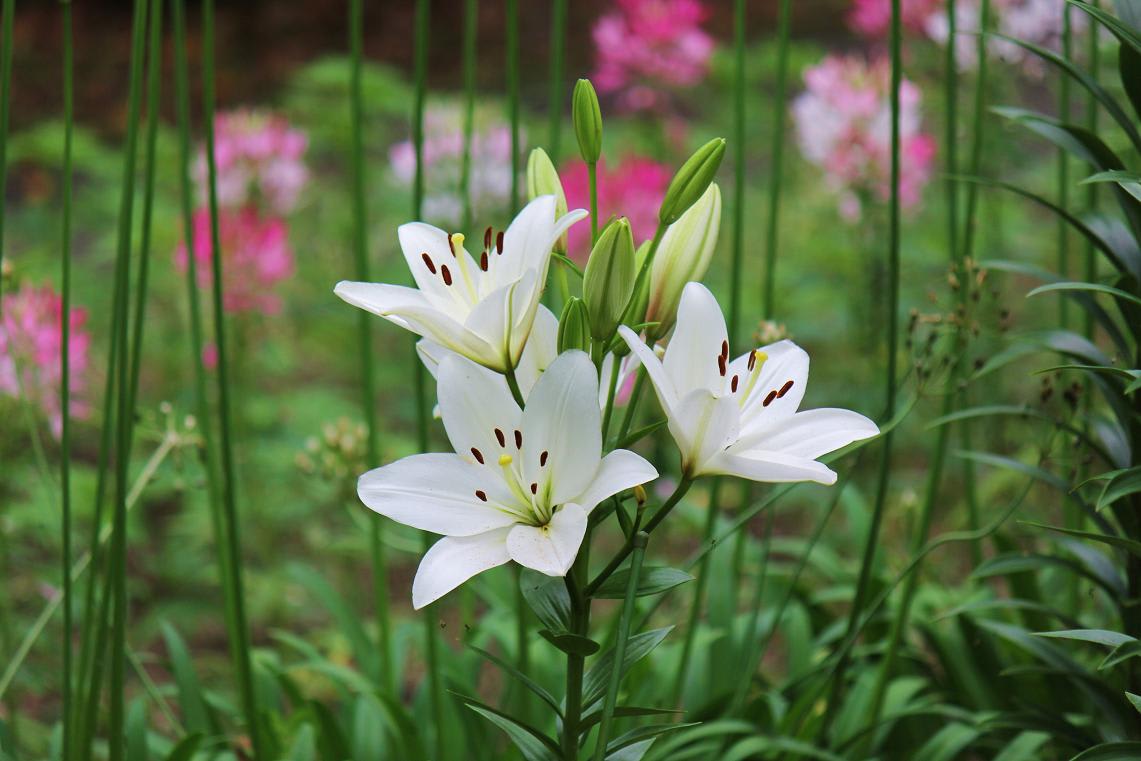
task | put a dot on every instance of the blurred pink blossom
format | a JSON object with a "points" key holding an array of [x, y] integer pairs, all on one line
{"points": [[872, 18], [633, 189], [30, 341], [843, 125], [260, 159], [490, 180], [256, 257], [646, 48]]}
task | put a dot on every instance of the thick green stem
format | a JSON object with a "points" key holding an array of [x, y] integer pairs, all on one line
{"points": [[580, 625], [364, 339], [592, 182], [558, 66]]}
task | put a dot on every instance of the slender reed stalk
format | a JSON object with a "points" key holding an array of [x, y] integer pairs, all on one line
{"points": [[892, 344], [1090, 268], [243, 664], [701, 581], [776, 178], [513, 96], [592, 182], [558, 68], [65, 381], [117, 567], [364, 339], [435, 676], [7, 21], [738, 169], [628, 604], [471, 29], [1064, 165]]}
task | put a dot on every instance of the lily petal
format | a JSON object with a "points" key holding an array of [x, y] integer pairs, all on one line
{"points": [[663, 385], [786, 368], [699, 340], [528, 240], [455, 559], [419, 240], [619, 470], [504, 317], [480, 415], [770, 467], [549, 549], [703, 425], [811, 433], [562, 419], [437, 493]]}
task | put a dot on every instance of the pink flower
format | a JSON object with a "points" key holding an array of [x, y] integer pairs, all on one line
{"points": [[256, 257], [843, 125], [646, 48], [872, 18], [634, 189], [30, 341], [260, 159], [490, 179]]}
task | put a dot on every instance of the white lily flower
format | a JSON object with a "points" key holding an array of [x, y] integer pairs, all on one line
{"points": [[481, 309], [740, 417], [522, 482]]}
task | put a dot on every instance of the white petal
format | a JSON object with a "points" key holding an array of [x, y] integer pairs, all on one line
{"points": [[417, 239], [504, 317], [787, 364], [539, 351], [437, 493], [703, 425], [431, 354], [527, 241], [475, 403], [619, 470], [664, 387], [813, 433], [699, 338], [411, 310], [562, 419], [455, 559], [770, 467], [549, 549]]}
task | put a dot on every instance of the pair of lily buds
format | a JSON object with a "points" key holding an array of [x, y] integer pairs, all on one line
{"points": [[520, 396]]}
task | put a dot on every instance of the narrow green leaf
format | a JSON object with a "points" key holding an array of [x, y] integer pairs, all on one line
{"points": [[1135, 700], [1120, 654], [639, 646], [652, 581], [571, 644], [1096, 636], [1130, 182], [185, 749], [590, 719], [1117, 293], [548, 598], [1122, 484], [642, 733], [1123, 751], [525, 680], [1024, 747], [137, 731], [533, 744], [190, 702], [1131, 546]]}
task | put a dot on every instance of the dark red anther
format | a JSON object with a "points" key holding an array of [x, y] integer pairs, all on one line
{"points": [[483, 261], [451, 246], [487, 239], [499, 436], [482, 496], [733, 384], [499, 242], [478, 455], [752, 360], [534, 488], [518, 439], [428, 262], [725, 349], [784, 389], [543, 458], [721, 367], [769, 399], [445, 274]]}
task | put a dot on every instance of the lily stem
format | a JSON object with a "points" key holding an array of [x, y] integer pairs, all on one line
{"points": [[592, 181], [513, 384]]}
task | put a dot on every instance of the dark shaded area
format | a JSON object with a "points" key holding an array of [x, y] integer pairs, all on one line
{"points": [[260, 42]]}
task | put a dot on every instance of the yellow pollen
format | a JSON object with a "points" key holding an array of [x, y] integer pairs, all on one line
{"points": [[458, 240], [505, 459], [761, 357]]}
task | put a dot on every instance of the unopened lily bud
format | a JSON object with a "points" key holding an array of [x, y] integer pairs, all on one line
{"points": [[543, 180], [609, 278], [640, 495], [587, 118], [574, 326], [636, 308], [683, 256], [692, 180]]}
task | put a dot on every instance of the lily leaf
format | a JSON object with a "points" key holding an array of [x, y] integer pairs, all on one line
{"points": [[651, 581], [1122, 484], [598, 677], [525, 680], [533, 744], [1096, 636], [571, 644], [548, 597], [1123, 751]]}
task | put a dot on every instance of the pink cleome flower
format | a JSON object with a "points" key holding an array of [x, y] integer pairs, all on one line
{"points": [[30, 341], [260, 159], [843, 125], [256, 257], [646, 48], [633, 189], [872, 18]]}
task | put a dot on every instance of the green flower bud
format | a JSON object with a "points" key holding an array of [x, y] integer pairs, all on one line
{"points": [[683, 256], [587, 118], [691, 180], [543, 180], [609, 278], [574, 326]]}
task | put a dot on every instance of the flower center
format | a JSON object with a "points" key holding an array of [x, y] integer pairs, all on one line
{"points": [[530, 503]]}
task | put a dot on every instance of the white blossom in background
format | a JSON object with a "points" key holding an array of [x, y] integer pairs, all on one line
{"points": [[740, 417], [521, 483]]}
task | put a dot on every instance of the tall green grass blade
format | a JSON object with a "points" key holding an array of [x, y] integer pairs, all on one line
{"points": [[471, 30], [1063, 178], [239, 631], [891, 341], [776, 178], [555, 97], [364, 340], [67, 706]]}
